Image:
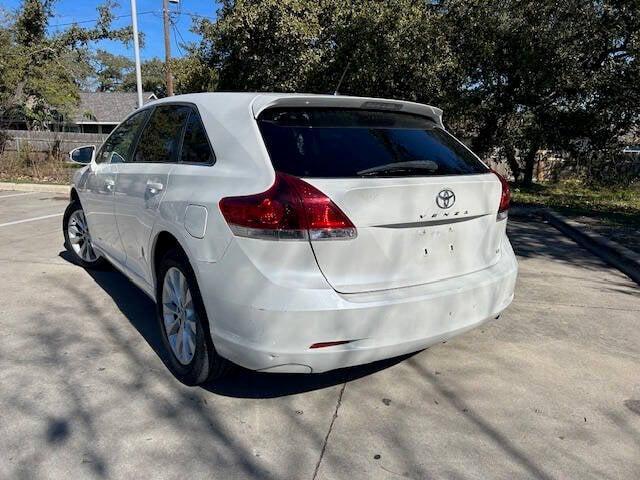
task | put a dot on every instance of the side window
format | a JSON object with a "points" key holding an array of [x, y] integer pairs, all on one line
{"points": [[117, 148], [195, 146], [160, 139]]}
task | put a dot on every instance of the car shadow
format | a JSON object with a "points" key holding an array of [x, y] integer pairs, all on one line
{"points": [[243, 383], [139, 310]]}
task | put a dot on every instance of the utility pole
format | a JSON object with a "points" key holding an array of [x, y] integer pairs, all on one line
{"points": [[136, 51], [167, 49]]}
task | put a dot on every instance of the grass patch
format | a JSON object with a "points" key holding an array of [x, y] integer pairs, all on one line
{"points": [[611, 205]]}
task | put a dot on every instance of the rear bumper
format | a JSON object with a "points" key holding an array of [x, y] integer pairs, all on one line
{"points": [[276, 335]]}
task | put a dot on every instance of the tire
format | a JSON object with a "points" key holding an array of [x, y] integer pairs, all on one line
{"points": [[77, 240], [197, 361]]}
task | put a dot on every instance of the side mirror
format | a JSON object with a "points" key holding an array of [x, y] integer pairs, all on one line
{"points": [[82, 155]]}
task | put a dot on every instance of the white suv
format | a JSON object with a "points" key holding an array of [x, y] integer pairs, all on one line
{"points": [[294, 233]]}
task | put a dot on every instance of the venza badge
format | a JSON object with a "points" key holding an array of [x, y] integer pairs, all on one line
{"points": [[445, 198]]}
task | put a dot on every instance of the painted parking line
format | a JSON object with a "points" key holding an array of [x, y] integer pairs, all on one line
{"points": [[18, 194], [16, 222]]}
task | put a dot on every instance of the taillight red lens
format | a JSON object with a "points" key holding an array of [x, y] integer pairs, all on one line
{"points": [[291, 209], [505, 196]]}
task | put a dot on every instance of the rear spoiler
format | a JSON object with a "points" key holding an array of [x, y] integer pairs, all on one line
{"points": [[262, 102]]}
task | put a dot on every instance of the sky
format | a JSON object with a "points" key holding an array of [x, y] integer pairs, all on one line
{"points": [[149, 22]]}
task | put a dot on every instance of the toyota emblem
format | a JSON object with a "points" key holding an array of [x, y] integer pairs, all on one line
{"points": [[445, 198]]}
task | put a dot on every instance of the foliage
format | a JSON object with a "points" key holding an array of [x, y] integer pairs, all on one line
{"points": [[560, 75], [190, 75], [152, 78], [391, 48], [607, 166], [40, 72], [35, 167], [111, 71]]}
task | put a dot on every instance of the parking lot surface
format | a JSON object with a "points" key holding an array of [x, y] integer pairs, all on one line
{"points": [[550, 390]]}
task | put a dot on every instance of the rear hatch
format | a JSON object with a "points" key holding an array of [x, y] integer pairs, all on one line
{"points": [[423, 205]]}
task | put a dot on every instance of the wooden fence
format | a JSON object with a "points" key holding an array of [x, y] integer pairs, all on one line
{"points": [[42, 141]]}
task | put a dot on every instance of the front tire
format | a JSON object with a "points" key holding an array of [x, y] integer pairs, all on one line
{"points": [[77, 239], [183, 323]]}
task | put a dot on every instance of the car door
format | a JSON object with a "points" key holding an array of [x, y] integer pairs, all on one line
{"points": [[142, 182], [98, 195]]}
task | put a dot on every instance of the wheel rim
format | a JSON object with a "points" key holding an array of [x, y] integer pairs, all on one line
{"points": [[79, 237], [179, 315]]}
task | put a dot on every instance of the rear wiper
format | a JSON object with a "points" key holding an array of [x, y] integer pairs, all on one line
{"points": [[419, 166]]}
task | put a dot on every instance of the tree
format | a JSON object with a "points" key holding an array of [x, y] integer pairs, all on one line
{"points": [[391, 48], [152, 78], [40, 73], [561, 75], [190, 73], [110, 70]]}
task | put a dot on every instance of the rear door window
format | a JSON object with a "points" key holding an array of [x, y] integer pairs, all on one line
{"points": [[160, 139], [336, 143]]}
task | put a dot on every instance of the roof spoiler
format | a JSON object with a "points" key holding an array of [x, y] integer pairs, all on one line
{"points": [[262, 102]]}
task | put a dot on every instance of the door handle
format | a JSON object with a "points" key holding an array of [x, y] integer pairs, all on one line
{"points": [[154, 187], [109, 184]]}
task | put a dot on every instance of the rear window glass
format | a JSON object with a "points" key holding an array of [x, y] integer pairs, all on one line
{"points": [[195, 146], [333, 143]]}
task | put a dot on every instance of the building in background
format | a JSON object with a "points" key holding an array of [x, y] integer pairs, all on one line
{"points": [[97, 114], [101, 112]]}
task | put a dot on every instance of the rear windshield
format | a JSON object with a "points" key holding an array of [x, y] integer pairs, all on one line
{"points": [[336, 143]]}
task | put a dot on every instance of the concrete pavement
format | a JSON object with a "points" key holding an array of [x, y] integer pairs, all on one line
{"points": [[550, 390]]}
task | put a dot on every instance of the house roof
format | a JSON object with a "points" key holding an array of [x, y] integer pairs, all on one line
{"points": [[107, 107]]}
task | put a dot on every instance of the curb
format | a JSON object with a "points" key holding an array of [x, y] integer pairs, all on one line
{"points": [[616, 255], [34, 187]]}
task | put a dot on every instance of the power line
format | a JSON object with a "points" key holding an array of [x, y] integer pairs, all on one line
{"points": [[96, 19], [128, 15], [194, 15], [173, 27], [155, 12]]}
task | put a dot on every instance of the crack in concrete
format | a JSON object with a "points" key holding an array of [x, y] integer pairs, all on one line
{"points": [[326, 438], [395, 473]]}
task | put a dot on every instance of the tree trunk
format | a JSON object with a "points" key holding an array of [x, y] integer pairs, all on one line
{"points": [[512, 161], [529, 164], [483, 142], [18, 93]]}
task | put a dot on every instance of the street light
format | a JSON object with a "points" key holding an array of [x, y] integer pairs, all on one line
{"points": [[136, 51]]}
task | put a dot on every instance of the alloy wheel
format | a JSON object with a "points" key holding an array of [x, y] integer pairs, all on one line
{"points": [[79, 237], [179, 315]]}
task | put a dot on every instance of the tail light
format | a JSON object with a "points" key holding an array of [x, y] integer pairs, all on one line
{"points": [[291, 209], [505, 197]]}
